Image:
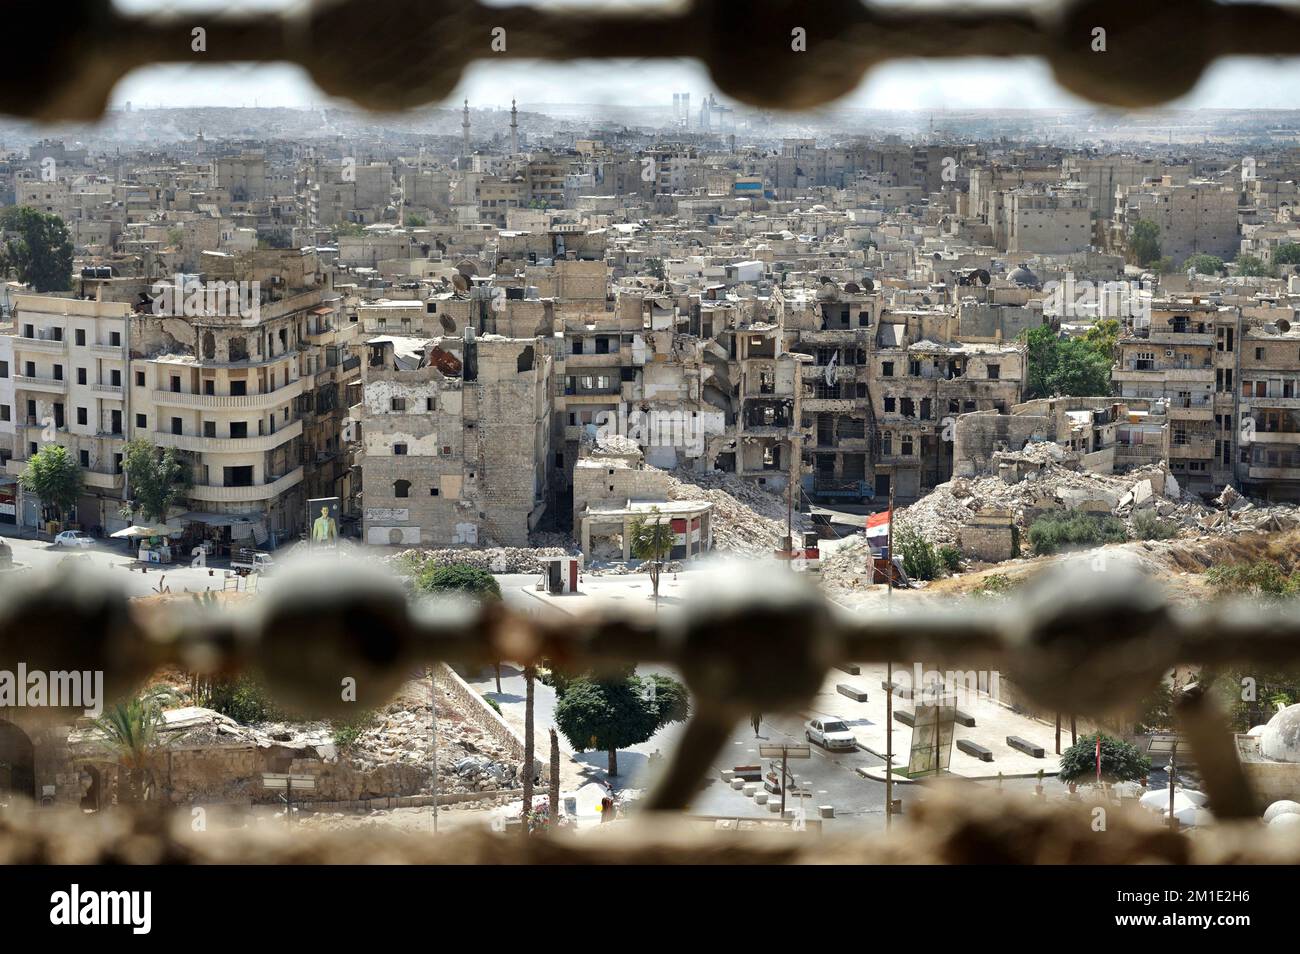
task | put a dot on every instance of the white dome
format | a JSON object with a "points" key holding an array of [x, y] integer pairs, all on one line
{"points": [[1280, 740], [1278, 809], [1285, 821]]}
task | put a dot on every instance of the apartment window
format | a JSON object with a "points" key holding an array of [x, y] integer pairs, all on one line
{"points": [[397, 404], [139, 380], [79, 336], [5, 413], [29, 369], [209, 428], [29, 331], [4, 369], [238, 388], [994, 371], [1259, 354], [115, 378], [209, 387], [81, 415], [58, 372], [115, 338], [433, 491], [906, 445], [176, 384], [84, 457], [239, 429], [176, 425], [56, 334], [428, 404], [141, 422], [399, 450], [891, 405], [401, 488], [81, 375]]}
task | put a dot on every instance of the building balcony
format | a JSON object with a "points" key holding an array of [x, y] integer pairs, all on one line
{"points": [[1139, 452], [1277, 437], [101, 481], [217, 402], [108, 351], [209, 493], [228, 445], [1167, 336], [1275, 473], [1193, 448], [51, 385], [108, 390], [44, 345], [1277, 402]]}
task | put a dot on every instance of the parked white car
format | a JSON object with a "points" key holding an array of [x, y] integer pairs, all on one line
{"points": [[73, 538], [830, 734]]}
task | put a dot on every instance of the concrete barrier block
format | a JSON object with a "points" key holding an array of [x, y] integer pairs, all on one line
{"points": [[737, 783], [1024, 745], [965, 719], [760, 798], [974, 749], [853, 669], [853, 692], [905, 716], [826, 811]]}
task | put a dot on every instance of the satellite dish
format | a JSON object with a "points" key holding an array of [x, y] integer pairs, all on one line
{"points": [[1283, 325], [448, 325], [983, 276], [937, 256], [467, 268], [925, 299], [868, 284], [826, 280], [852, 288]]}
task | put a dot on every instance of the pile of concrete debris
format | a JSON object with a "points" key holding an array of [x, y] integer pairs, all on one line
{"points": [[491, 559], [940, 515], [747, 519]]}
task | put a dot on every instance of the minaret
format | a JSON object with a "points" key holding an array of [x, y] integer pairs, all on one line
{"points": [[514, 129], [464, 132]]}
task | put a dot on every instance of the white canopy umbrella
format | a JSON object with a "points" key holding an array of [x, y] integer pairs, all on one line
{"points": [[1158, 800], [140, 531]]}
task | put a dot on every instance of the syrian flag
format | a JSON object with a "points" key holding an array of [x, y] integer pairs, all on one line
{"points": [[877, 528]]}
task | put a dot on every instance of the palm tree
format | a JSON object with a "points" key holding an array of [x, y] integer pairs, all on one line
{"points": [[652, 540], [529, 673], [555, 779], [131, 730]]}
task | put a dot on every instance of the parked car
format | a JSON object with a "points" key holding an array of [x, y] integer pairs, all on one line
{"points": [[73, 538], [252, 561], [830, 734]]}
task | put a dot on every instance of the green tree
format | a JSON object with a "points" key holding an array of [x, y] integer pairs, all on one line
{"points": [[55, 477], [132, 732], [37, 248], [1205, 264], [1144, 243], [1081, 370], [1041, 353], [414, 221], [920, 559], [1252, 267], [1103, 335], [655, 266], [464, 579], [459, 578], [158, 477], [1120, 761], [1263, 579], [611, 714], [1288, 253], [652, 541]]}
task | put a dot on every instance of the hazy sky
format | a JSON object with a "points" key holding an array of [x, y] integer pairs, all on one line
{"points": [[912, 84]]}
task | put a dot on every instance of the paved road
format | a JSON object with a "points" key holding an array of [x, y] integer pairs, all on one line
{"points": [[112, 556]]}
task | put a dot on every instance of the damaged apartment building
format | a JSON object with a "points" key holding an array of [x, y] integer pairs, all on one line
{"points": [[1231, 387], [700, 383], [242, 368], [883, 385], [455, 436]]}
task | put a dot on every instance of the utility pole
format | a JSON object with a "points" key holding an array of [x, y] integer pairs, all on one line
{"points": [[889, 669]]}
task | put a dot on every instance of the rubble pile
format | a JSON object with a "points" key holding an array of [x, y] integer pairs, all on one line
{"points": [[746, 518], [939, 516], [491, 559]]}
